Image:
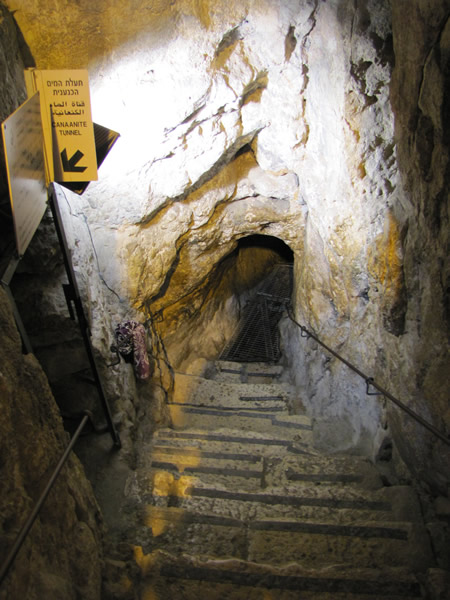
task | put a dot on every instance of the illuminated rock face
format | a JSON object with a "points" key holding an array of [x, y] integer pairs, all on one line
{"points": [[240, 118], [305, 91]]}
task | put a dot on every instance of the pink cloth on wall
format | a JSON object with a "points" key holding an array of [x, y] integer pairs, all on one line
{"points": [[131, 343]]}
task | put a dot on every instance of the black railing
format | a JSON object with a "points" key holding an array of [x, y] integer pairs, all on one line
{"points": [[371, 383], [9, 560]]}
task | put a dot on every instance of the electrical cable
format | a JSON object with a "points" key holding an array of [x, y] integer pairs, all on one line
{"points": [[100, 274]]}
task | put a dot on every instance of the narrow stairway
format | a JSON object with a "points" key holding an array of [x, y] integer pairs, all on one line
{"points": [[240, 506]]}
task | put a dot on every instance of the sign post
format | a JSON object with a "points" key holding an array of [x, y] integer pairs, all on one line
{"points": [[52, 133], [69, 142], [22, 140]]}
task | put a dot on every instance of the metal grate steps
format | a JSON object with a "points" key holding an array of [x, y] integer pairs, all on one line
{"points": [[257, 337]]}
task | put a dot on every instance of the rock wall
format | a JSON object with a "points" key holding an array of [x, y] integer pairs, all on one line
{"points": [[320, 123], [12, 93], [420, 99], [62, 555]]}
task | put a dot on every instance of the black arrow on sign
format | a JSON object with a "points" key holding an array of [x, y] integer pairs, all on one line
{"points": [[69, 165]]}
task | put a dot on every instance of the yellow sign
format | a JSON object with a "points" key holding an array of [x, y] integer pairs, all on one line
{"points": [[22, 139], [69, 143]]}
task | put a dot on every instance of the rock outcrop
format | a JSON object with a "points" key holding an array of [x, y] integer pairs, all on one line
{"points": [[62, 555], [321, 125]]}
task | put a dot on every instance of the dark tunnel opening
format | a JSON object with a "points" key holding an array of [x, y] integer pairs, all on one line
{"points": [[256, 338], [268, 242]]}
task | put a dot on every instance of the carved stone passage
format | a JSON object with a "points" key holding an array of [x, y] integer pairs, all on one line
{"points": [[322, 124]]}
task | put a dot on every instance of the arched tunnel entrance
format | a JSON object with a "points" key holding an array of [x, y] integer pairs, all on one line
{"points": [[216, 303], [256, 338]]}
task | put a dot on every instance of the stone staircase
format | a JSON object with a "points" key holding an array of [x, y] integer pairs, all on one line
{"points": [[239, 505]]}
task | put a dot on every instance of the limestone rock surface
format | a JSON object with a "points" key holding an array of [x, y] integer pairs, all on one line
{"points": [[320, 123]]}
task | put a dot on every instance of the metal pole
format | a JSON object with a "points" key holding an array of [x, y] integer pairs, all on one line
{"points": [[74, 296], [6, 281], [373, 383]]}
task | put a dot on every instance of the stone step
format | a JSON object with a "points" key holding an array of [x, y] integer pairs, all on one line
{"points": [[190, 454], [232, 440], [320, 482], [198, 390], [232, 372], [295, 470], [282, 425], [274, 404], [281, 541], [245, 505], [359, 544], [262, 367], [188, 578], [302, 470], [278, 471], [324, 503], [210, 468], [237, 484]]}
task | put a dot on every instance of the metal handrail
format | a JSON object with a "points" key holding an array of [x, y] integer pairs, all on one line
{"points": [[34, 513], [371, 383]]}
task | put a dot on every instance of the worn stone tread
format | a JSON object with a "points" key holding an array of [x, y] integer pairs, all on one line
{"points": [[228, 435], [206, 390], [362, 529], [331, 497], [287, 427], [241, 506], [193, 579], [308, 542], [223, 470], [332, 503], [267, 405], [253, 506], [187, 451], [258, 367], [300, 469], [228, 372]]}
